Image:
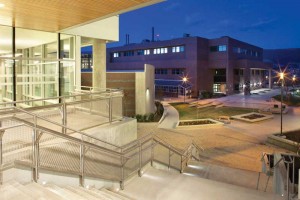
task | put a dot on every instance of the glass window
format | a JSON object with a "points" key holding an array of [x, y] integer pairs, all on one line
{"points": [[147, 52], [160, 50], [222, 48], [177, 49], [214, 48], [161, 71], [5, 41], [67, 46], [177, 71], [218, 48], [128, 53]]}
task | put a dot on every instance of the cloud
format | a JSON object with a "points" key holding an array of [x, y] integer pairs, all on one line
{"points": [[261, 25]]}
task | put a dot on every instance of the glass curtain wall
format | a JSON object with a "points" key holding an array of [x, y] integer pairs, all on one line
{"points": [[37, 65], [6, 64]]}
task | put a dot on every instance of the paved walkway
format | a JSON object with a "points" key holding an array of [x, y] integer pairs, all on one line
{"points": [[238, 145], [261, 98], [170, 117], [164, 185]]}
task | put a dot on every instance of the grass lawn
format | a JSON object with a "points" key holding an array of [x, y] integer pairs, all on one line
{"points": [[292, 100], [186, 112]]}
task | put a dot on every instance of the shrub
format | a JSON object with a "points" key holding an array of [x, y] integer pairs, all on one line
{"points": [[138, 118], [151, 117]]}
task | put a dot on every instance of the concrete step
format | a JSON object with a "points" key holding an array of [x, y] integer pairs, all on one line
{"points": [[94, 194], [9, 192], [82, 193], [43, 193], [93, 191], [115, 194], [63, 192], [228, 175]]}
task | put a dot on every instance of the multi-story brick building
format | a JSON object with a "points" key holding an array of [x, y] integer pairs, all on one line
{"points": [[223, 65]]}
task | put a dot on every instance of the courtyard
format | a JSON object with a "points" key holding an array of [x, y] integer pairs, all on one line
{"points": [[237, 144]]}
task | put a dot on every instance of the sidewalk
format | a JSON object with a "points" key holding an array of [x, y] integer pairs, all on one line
{"points": [[170, 117]]}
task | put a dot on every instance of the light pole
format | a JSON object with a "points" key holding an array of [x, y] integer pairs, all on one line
{"points": [[294, 79], [184, 79], [281, 76]]}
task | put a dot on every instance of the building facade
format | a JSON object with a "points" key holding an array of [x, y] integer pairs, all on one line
{"points": [[137, 85], [222, 65], [40, 50]]}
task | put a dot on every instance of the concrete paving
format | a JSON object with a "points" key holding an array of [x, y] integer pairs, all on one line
{"points": [[161, 184], [260, 99], [232, 154], [170, 117]]}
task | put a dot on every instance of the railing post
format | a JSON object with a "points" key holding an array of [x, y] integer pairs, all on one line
{"points": [[181, 169], [1, 156], [35, 152], [91, 102], [122, 171], [82, 164], [110, 109], [64, 116], [152, 152], [293, 174], [169, 157], [140, 160], [288, 181]]}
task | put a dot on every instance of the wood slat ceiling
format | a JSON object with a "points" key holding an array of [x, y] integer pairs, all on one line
{"points": [[55, 15]]}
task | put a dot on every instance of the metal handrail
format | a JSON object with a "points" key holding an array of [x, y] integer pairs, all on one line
{"points": [[62, 126], [10, 127], [75, 140], [124, 153], [60, 97], [165, 144]]}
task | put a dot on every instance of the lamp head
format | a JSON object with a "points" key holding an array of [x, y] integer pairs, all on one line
{"points": [[281, 75]]}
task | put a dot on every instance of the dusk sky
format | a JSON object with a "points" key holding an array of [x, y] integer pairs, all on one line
{"points": [[269, 24]]}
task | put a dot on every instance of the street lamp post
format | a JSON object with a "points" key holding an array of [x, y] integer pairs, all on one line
{"points": [[184, 79], [281, 76], [294, 79]]}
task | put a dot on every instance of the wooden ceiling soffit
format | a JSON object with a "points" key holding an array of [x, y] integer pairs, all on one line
{"points": [[57, 15]]}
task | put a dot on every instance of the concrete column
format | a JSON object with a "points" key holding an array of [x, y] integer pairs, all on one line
{"points": [[270, 79], [229, 80], [247, 78], [99, 63], [77, 62]]}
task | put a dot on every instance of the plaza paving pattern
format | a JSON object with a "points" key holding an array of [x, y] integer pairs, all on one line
{"points": [[238, 144], [222, 145]]}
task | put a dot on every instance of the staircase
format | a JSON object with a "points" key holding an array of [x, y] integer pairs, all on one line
{"points": [[31, 191], [238, 177]]}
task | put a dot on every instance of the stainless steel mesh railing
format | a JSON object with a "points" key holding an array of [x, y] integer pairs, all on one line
{"points": [[44, 140]]}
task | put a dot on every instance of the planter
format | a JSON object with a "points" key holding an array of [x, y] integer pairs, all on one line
{"points": [[252, 117], [198, 123]]}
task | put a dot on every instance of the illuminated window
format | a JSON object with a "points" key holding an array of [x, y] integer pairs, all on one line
{"points": [[116, 55], [218, 48], [177, 49], [160, 50]]}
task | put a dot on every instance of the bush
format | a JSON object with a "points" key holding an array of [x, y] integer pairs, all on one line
{"points": [[206, 94], [138, 118], [145, 118], [152, 117]]}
